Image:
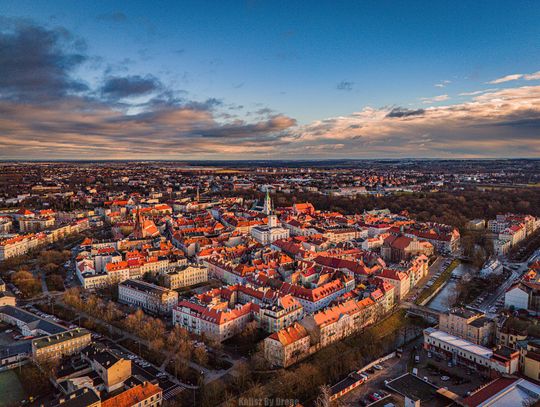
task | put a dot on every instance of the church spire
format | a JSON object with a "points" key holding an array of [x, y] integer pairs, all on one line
{"points": [[267, 209]]}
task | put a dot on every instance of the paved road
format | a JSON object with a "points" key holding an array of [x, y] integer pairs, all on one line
{"points": [[493, 298], [209, 375], [392, 369]]}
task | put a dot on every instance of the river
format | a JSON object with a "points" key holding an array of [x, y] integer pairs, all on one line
{"points": [[440, 302]]}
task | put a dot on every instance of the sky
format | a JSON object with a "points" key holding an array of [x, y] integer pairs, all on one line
{"points": [[186, 80]]}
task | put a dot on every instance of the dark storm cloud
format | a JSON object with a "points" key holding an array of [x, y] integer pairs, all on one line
{"points": [[37, 63], [240, 129], [119, 87], [404, 112], [208, 104]]}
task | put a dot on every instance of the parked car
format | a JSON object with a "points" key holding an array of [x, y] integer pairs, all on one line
{"points": [[374, 397], [445, 378], [378, 367]]}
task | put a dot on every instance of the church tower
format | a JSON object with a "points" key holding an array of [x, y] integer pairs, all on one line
{"points": [[269, 212], [267, 208]]}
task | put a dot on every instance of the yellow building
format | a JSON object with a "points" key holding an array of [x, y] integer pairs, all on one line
{"points": [[531, 361], [64, 343]]}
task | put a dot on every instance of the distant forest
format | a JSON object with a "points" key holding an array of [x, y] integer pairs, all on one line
{"points": [[450, 207]]}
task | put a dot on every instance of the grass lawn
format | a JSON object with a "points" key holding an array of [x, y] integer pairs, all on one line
{"points": [[11, 389]]}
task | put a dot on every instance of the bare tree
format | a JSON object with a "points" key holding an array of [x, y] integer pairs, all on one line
{"points": [[323, 400]]}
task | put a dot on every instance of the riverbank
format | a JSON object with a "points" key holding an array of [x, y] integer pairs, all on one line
{"points": [[430, 292]]}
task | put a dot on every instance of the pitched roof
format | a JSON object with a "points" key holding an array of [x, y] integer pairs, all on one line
{"points": [[133, 396], [291, 334]]}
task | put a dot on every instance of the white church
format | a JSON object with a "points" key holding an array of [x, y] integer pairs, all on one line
{"points": [[272, 231]]}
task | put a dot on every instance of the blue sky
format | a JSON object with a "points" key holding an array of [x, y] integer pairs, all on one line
{"points": [[308, 61]]}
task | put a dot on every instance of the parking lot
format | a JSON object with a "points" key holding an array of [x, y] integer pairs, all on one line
{"points": [[439, 372], [376, 381]]}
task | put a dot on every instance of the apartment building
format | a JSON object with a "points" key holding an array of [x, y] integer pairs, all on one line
{"points": [[339, 321], [470, 325], [313, 332], [280, 313], [287, 346], [185, 277], [142, 395], [150, 297], [60, 344], [36, 224], [216, 322], [399, 279]]}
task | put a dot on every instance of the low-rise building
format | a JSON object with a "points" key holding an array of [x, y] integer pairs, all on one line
{"points": [[112, 370], [530, 360], [504, 391], [64, 343], [523, 295], [29, 324], [489, 362], [398, 247]]}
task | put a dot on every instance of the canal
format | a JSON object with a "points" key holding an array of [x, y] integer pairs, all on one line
{"points": [[447, 295]]}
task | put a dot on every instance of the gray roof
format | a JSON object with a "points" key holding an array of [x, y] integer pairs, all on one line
{"points": [[80, 398], [32, 320]]}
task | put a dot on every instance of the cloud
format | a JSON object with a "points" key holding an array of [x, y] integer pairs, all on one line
{"points": [[442, 84], [45, 112], [135, 85], [58, 116], [345, 85], [507, 78], [532, 77], [403, 112], [477, 92], [37, 63], [502, 123], [516, 76], [440, 98]]}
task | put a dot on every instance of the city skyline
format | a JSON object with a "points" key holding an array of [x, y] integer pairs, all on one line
{"points": [[263, 81]]}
